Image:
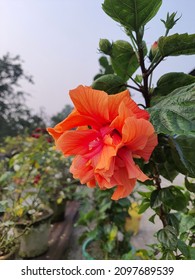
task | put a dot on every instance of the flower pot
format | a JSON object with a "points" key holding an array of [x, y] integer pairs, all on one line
{"points": [[58, 210], [34, 241], [86, 244], [91, 251]]}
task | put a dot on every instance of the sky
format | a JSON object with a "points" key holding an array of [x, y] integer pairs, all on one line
{"points": [[58, 43]]}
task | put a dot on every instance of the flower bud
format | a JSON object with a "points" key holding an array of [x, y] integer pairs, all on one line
{"points": [[154, 52], [105, 46], [170, 21]]}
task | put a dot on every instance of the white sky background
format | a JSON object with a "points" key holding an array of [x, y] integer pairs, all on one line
{"points": [[58, 42]]}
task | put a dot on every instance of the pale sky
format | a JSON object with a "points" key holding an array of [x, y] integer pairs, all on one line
{"points": [[58, 42]]}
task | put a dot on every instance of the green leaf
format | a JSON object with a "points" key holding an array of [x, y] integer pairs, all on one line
{"points": [[187, 222], [132, 14], [173, 220], [171, 81], [155, 200], [183, 248], [124, 60], [189, 186], [163, 158], [175, 113], [145, 194], [192, 253], [144, 206], [183, 153], [87, 218], [177, 44], [168, 255], [105, 46], [3, 205], [151, 219], [167, 170], [173, 198], [124, 202], [139, 79], [109, 83], [104, 62], [168, 237]]}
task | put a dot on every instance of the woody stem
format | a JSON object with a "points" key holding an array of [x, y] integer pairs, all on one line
{"points": [[144, 88]]}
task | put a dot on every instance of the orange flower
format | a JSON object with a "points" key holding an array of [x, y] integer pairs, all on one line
{"points": [[111, 131]]}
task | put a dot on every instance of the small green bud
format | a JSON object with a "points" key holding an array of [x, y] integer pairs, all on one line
{"points": [[154, 52], [105, 46], [170, 21]]}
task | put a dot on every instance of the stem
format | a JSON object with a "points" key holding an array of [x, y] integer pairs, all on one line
{"points": [[167, 32], [157, 181], [133, 80], [133, 88], [144, 88], [151, 68], [133, 40], [150, 82], [141, 105]]}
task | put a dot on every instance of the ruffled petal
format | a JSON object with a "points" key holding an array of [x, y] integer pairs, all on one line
{"points": [[136, 132], [114, 102], [91, 103], [139, 113], [82, 170], [126, 185], [76, 142], [133, 170], [123, 114], [74, 120], [152, 142]]}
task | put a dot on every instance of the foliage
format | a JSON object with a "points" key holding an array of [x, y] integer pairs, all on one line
{"points": [[33, 175], [105, 66], [7, 238], [15, 116], [172, 110], [105, 223]]}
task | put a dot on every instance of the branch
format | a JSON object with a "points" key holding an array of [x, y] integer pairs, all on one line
{"points": [[151, 68], [144, 88], [157, 181], [137, 89]]}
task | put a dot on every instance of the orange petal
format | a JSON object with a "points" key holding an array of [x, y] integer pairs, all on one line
{"points": [[91, 103], [135, 133], [91, 183], [76, 142], [114, 102], [139, 113], [132, 169], [123, 113], [126, 188], [72, 121], [82, 170], [150, 145]]}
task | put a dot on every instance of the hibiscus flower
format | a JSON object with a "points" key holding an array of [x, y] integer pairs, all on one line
{"points": [[105, 133]]}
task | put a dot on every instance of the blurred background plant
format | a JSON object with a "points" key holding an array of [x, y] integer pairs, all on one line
{"points": [[105, 224], [32, 174], [15, 116]]}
